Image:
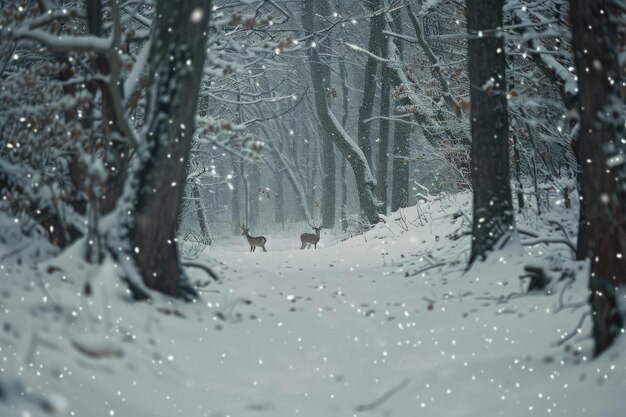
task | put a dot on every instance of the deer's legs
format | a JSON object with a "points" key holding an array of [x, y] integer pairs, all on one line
{"points": [[303, 245], [264, 250]]}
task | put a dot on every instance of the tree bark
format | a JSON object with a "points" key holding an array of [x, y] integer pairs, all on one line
{"points": [[384, 125], [401, 134], [377, 24], [345, 95], [599, 149], [519, 186], [156, 183], [279, 196], [200, 212], [255, 193], [493, 220], [369, 80], [243, 175], [329, 168], [235, 209]]}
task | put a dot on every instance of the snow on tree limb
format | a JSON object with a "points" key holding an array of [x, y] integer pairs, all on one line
{"points": [[63, 43], [366, 52]]}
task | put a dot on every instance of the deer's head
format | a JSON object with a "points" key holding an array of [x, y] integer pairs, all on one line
{"points": [[315, 227]]}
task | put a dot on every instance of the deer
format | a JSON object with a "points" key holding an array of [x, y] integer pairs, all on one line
{"points": [[253, 241], [309, 239]]}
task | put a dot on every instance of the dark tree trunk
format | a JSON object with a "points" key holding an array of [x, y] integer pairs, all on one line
{"points": [[345, 94], [369, 87], [401, 137], [582, 241], [200, 212], [383, 144], [306, 168], [328, 174], [493, 221], [519, 189], [279, 197], [235, 209], [603, 178], [243, 175], [255, 193], [158, 176], [315, 165]]}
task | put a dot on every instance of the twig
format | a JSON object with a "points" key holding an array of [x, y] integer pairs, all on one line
{"points": [[427, 268], [15, 251], [366, 52], [526, 232], [503, 299], [561, 227], [576, 331], [548, 240], [387, 395], [203, 267]]}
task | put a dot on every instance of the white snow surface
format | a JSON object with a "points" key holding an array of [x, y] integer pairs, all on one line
{"points": [[348, 329]]}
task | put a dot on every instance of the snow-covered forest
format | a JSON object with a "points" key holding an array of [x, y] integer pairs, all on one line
{"points": [[237, 208]]}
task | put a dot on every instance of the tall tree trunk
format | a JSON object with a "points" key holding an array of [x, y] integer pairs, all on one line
{"points": [[255, 193], [383, 144], [493, 221], [157, 180], [600, 152], [365, 181], [279, 197], [377, 24], [345, 94], [327, 146], [200, 212], [306, 168], [315, 166], [235, 207], [243, 175], [519, 189], [401, 133]]}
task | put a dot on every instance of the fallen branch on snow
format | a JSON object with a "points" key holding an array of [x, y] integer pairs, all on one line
{"points": [[387, 395]]}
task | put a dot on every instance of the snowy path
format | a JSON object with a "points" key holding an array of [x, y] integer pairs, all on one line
{"points": [[339, 334], [334, 332]]}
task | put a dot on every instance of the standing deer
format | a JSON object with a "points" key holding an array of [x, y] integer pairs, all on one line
{"points": [[253, 241], [310, 238]]}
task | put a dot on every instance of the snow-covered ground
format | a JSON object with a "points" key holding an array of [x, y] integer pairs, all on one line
{"points": [[386, 324]]}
